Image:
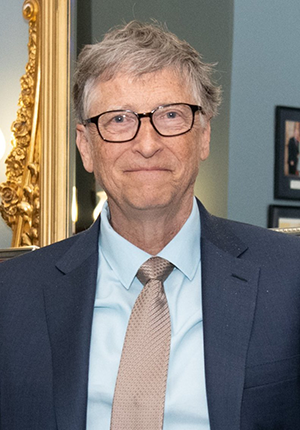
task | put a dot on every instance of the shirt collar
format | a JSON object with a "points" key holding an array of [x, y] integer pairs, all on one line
{"points": [[125, 258], [184, 249]]}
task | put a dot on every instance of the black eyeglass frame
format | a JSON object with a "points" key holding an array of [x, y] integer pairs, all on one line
{"points": [[95, 120]]}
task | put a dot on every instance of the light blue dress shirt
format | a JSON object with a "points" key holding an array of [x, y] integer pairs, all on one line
{"points": [[116, 291]]}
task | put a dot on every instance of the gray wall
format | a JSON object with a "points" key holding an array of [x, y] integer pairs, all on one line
{"points": [[256, 44], [13, 58], [265, 73]]}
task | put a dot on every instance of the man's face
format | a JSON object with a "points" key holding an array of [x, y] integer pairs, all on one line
{"points": [[151, 171]]}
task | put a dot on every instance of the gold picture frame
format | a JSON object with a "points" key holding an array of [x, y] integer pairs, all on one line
{"points": [[36, 195]]}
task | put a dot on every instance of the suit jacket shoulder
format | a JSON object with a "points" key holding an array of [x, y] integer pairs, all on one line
{"points": [[251, 304], [46, 309], [52, 260], [257, 243]]}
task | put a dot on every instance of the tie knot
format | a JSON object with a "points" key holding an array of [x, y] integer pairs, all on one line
{"points": [[155, 268]]}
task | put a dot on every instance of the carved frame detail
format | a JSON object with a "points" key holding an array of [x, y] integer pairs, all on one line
{"points": [[20, 205], [36, 196]]}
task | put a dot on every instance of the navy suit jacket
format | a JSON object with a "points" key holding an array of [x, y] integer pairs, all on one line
{"points": [[251, 317]]}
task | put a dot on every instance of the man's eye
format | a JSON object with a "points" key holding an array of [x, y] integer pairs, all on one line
{"points": [[119, 118], [172, 115]]}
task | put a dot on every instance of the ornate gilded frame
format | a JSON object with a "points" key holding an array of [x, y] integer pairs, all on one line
{"points": [[294, 231], [36, 196]]}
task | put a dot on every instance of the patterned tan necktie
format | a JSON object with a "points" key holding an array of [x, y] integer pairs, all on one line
{"points": [[139, 397]]}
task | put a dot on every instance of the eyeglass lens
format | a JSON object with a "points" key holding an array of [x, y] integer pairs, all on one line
{"points": [[167, 120]]}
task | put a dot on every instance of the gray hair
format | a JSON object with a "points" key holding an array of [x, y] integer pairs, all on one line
{"points": [[138, 48]]}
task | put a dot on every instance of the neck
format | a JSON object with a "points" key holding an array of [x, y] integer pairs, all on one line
{"points": [[152, 229]]}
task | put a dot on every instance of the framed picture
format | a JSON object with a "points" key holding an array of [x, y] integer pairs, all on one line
{"points": [[287, 151], [284, 216]]}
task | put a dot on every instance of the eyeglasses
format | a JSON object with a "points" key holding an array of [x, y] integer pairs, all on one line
{"points": [[118, 126]]}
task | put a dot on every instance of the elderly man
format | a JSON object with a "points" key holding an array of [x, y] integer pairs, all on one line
{"points": [[160, 316]]}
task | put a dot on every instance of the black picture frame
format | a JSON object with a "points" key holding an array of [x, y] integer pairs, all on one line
{"points": [[287, 160], [284, 216]]}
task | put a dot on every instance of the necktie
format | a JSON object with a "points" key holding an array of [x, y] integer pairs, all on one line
{"points": [[139, 397]]}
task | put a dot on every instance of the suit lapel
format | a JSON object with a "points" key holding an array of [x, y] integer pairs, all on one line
{"points": [[229, 286], [69, 303]]}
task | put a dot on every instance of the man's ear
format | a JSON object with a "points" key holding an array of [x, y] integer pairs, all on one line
{"points": [[205, 143], [85, 148]]}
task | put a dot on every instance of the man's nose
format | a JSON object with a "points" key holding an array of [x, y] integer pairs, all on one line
{"points": [[148, 141]]}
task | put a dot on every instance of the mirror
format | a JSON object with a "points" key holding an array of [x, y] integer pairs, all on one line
{"points": [[36, 196]]}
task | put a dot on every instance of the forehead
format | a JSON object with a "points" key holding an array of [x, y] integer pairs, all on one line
{"points": [[140, 93]]}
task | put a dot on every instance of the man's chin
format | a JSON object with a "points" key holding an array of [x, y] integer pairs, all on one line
{"points": [[147, 203]]}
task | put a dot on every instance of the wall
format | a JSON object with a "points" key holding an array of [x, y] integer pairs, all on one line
{"points": [[13, 58], [257, 46], [265, 73], [206, 25]]}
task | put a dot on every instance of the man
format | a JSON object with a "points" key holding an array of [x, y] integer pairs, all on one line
{"points": [[144, 101], [293, 150]]}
